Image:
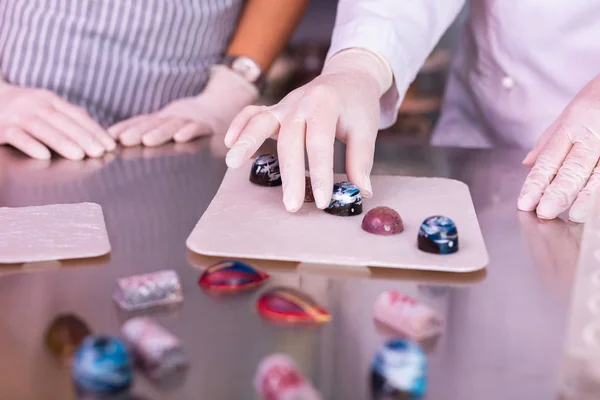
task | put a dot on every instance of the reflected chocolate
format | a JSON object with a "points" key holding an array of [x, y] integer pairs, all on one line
{"points": [[438, 235], [382, 221], [64, 334], [265, 171], [346, 200]]}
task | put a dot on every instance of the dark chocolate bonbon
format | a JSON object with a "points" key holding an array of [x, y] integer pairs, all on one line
{"points": [[346, 200], [265, 171], [438, 235]]}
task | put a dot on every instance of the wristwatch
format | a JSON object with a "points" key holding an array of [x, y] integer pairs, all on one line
{"points": [[248, 69]]}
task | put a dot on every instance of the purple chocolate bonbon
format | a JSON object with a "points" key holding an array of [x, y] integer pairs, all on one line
{"points": [[382, 221]]}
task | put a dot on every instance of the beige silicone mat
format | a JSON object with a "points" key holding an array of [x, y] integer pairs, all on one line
{"points": [[249, 221], [52, 232]]}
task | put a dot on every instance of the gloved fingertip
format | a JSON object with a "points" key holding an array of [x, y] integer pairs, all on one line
{"points": [[526, 203], [291, 204], [76, 154], [528, 160], [181, 138], [233, 159], [578, 212], [322, 198], [367, 190], [547, 210], [42, 154]]}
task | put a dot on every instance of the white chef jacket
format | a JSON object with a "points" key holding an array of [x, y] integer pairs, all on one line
{"points": [[518, 64]]}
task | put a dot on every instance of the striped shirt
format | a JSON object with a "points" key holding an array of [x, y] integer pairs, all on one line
{"points": [[116, 58]]}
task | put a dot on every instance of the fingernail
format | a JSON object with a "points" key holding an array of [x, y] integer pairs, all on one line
{"points": [[77, 154], [526, 203], [180, 138], [526, 157], [322, 197], [43, 154], [110, 144], [96, 151], [233, 157]]}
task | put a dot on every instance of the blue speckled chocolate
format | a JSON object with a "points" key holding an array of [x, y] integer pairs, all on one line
{"points": [[265, 171], [346, 200], [399, 370], [102, 365], [438, 235]]}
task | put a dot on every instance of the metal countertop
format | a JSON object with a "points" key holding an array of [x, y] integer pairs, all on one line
{"points": [[505, 326]]}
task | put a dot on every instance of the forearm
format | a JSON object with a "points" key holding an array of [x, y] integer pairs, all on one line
{"points": [[264, 29], [403, 33]]}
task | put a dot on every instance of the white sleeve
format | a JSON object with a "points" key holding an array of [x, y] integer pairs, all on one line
{"points": [[403, 32]]}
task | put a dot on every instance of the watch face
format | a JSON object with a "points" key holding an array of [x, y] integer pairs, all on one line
{"points": [[247, 68]]}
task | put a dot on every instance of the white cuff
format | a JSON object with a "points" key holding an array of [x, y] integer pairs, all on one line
{"points": [[379, 37]]}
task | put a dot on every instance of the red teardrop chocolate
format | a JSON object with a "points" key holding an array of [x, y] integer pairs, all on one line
{"points": [[382, 221], [290, 306]]}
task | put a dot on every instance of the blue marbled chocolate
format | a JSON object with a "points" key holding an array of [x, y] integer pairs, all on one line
{"points": [[399, 367], [346, 200], [438, 235], [102, 364], [265, 171]]}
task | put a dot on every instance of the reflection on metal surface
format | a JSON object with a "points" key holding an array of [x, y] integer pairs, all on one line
{"points": [[152, 202], [554, 246]]}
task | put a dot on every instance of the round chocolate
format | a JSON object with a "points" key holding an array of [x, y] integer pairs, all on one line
{"points": [[265, 171], [102, 365], [382, 221], [399, 371], [438, 235], [64, 334], [308, 191], [346, 200]]}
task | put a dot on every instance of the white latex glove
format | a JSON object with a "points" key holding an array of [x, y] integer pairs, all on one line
{"points": [[36, 120], [211, 112], [565, 169], [342, 102]]}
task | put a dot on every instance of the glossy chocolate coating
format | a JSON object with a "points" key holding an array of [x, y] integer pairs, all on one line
{"points": [[438, 235], [382, 221], [308, 191], [265, 171], [346, 200]]}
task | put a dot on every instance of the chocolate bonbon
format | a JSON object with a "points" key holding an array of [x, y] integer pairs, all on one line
{"points": [[278, 378], [438, 235], [407, 315], [265, 171], [102, 365], [148, 290], [231, 276], [308, 191], [290, 306], [64, 335], [399, 371], [346, 200], [382, 221], [157, 351]]}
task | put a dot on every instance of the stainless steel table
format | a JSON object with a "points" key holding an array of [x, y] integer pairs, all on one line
{"points": [[505, 326]]}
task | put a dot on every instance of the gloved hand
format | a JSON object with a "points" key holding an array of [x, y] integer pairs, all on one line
{"points": [[211, 112], [36, 120], [565, 169], [342, 102]]}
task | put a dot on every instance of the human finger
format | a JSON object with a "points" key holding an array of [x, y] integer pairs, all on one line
{"points": [[320, 141], [532, 156], [571, 178], [191, 131], [82, 117], [259, 128], [544, 171], [19, 139], [133, 135], [163, 132], [117, 129], [581, 207], [239, 123], [53, 138], [90, 144], [290, 149]]}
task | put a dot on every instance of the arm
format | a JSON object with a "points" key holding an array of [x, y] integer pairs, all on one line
{"points": [[382, 41], [264, 29], [403, 32]]}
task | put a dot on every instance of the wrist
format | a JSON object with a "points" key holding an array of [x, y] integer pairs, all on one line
{"points": [[246, 67], [365, 62]]}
